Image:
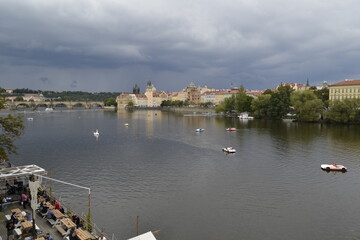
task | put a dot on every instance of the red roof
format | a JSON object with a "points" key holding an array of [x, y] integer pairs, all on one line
{"points": [[346, 83]]}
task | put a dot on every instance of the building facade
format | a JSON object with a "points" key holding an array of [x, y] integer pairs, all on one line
{"points": [[344, 90]]}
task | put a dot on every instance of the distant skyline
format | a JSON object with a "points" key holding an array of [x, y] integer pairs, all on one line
{"points": [[111, 45]]}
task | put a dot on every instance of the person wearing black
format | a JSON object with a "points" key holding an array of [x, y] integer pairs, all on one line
{"points": [[72, 234], [10, 229]]}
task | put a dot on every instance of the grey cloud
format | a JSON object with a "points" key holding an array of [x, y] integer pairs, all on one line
{"points": [[45, 80], [256, 43]]}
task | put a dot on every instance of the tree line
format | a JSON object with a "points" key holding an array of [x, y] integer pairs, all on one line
{"points": [[109, 98], [310, 105]]}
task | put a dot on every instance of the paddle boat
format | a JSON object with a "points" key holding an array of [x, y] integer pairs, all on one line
{"points": [[200, 130], [229, 150], [333, 167], [231, 129], [96, 133]]}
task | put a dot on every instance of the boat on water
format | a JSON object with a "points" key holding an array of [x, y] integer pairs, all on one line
{"points": [[126, 124], [200, 130], [96, 133], [245, 116], [229, 150], [49, 109], [30, 119], [333, 167], [231, 129]]}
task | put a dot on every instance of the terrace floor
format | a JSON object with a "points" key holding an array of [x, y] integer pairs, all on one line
{"points": [[42, 223]]}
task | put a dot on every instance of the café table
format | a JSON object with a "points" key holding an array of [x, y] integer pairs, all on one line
{"points": [[58, 214], [67, 222], [83, 234]]}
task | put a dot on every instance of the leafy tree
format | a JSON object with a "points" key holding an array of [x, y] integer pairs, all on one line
{"points": [[165, 103], [279, 104], [242, 101], [19, 98], [345, 111], [206, 104], [260, 106], [323, 95], [227, 105], [267, 91], [11, 128], [110, 102], [130, 104], [307, 106]]}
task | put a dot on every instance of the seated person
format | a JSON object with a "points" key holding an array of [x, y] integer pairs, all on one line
{"points": [[57, 205], [13, 218], [44, 208], [72, 234], [28, 216], [48, 237], [62, 210], [76, 220], [49, 214], [47, 198]]}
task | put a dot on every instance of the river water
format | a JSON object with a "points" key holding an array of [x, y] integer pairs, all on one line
{"points": [[181, 183]]}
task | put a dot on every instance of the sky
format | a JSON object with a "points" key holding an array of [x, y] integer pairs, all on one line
{"points": [[111, 45]]}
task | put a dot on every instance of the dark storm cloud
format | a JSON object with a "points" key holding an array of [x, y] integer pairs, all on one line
{"points": [[111, 45], [73, 84], [44, 80]]}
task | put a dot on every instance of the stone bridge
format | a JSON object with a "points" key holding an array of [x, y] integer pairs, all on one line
{"points": [[55, 104]]}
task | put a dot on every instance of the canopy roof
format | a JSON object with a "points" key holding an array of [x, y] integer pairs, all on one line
{"points": [[145, 236], [21, 171]]}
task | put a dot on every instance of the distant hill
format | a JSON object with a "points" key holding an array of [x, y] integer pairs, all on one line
{"points": [[68, 95]]}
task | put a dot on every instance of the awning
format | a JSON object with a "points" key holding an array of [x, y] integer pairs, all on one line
{"points": [[21, 171], [145, 236]]}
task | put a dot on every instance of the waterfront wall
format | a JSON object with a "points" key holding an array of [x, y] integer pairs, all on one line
{"points": [[189, 109]]}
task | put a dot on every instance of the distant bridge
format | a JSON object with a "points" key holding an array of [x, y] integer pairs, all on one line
{"points": [[53, 104]]}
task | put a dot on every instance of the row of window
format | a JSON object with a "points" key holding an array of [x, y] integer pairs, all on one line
{"points": [[343, 97], [345, 90]]}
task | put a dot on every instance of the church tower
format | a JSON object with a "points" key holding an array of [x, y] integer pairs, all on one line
{"points": [[136, 89]]}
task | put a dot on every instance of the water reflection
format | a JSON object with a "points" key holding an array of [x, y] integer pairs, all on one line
{"points": [[175, 179]]}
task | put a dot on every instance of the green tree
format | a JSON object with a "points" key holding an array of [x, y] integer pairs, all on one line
{"points": [[279, 104], [267, 91], [11, 128], [227, 105], [19, 98], [242, 101], [110, 102], [260, 106], [323, 95], [345, 111], [207, 104], [130, 104], [307, 106]]}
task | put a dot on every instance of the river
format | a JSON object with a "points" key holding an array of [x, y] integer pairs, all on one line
{"points": [[181, 183]]}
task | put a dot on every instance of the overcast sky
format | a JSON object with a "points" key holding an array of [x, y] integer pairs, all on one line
{"points": [[109, 45]]}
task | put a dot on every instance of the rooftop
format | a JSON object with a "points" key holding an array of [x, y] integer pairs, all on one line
{"points": [[346, 83]]}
